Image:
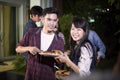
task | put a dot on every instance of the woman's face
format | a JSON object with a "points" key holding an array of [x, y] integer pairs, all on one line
{"points": [[76, 33]]}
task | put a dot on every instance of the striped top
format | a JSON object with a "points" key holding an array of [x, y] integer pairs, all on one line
{"points": [[40, 67]]}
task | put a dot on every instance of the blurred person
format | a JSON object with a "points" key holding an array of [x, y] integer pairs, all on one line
{"points": [[36, 15], [98, 45], [81, 61], [41, 67], [116, 67], [59, 32]]}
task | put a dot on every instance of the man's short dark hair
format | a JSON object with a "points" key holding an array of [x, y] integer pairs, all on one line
{"points": [[50, 10], [36, 10]]}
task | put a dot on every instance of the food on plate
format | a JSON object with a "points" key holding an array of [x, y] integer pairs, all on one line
{"points": [[56, 52], [63, 72], [53, 52], [41, 51]]}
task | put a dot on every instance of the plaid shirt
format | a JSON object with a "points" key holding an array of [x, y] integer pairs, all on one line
{"points": [[40, 67]]}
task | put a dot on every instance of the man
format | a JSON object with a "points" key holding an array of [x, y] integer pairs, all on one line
{"points": [[36, 15], [40, 67], [98, 45]]}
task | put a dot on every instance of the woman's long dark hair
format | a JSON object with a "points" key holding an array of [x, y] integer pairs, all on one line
{"points": [[79, 22]]}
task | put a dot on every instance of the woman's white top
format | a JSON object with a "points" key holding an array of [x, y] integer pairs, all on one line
{"points": [[85, 60]]}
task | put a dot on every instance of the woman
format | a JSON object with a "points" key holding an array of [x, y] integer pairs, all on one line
{"points": [[81, 59]]}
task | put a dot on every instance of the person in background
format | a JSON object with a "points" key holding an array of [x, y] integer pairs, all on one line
{"points": [[98, 45], [81, 60], [40, 67], [59, 32], [36, 15], [116, 67]]}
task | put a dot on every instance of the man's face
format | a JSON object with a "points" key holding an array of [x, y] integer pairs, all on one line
{"points": [[50, 21]]}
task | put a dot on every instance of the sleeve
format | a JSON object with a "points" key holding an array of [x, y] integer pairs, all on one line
{"points": [[100, 45], [85, 61], [24, 41]]}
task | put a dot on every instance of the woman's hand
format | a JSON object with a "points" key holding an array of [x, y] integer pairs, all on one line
{"points": [[62, 58]]}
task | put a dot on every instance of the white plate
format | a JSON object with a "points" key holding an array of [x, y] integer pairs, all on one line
{"points": [[52, 55]]}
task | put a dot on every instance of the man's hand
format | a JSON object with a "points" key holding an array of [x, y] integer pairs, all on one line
{"points": [[33, 50]]}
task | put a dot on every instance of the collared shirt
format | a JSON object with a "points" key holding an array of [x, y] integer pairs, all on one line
{"points": [[40, 67], [29, 24]]}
